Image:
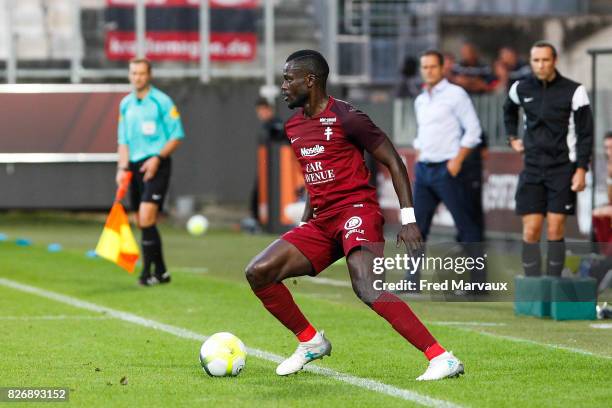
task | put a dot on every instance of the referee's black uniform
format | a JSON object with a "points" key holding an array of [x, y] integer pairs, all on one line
{"points": [[558, 138], [559, 123]]}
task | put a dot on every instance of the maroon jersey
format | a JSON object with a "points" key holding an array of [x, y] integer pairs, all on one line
{"points": [[330, 148]]}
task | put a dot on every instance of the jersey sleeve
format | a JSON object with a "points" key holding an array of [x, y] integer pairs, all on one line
{"points": [[172, 120], [583, 118], [360, 128], [511, 110]]}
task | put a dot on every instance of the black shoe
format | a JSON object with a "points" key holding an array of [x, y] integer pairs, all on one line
{"points": [[161, 279], [143, 279]]}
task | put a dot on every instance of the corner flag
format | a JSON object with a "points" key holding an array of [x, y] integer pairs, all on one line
{"points": [[117, 243]]}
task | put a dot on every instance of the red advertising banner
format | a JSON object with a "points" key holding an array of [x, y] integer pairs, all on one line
{"points": [[64, 122], [182, 46], [186, 3], [172, 30]]}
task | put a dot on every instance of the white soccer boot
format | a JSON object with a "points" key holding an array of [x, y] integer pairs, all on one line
{"points": [[308, 351], [444, 366]]}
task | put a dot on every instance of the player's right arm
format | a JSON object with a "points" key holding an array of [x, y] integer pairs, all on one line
{"points": [[307, 210], [367, 135], [386, 154], [511, 118]]}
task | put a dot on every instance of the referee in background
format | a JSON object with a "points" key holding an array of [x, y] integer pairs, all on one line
{"points": [[149, 131], [557, 147]]}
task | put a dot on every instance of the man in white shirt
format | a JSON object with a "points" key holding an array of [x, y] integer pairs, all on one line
{"points": [[448, 130]]}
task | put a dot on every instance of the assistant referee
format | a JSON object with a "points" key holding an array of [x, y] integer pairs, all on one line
{"points": [[557, 148], [149, 131]]}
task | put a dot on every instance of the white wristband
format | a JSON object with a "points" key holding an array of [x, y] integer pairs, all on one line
{"points": [[407, 216]]}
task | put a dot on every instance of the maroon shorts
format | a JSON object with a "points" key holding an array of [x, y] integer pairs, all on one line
{"points": [[329, 237]]}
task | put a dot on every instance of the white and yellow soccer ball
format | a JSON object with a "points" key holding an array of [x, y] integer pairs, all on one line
{"points": [[223, 355], [197, 225]]}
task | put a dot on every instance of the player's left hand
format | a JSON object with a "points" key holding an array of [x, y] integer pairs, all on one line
{"points": [[411, 236], [579, 180], [149, 168]]}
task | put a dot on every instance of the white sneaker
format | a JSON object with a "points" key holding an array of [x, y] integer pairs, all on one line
{"points": [[308, 351], [444, 366]]}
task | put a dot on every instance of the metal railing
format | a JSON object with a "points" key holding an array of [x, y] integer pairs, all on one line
{"points": [[489, 109], [73, 68], [367, 40], [514, 7]]}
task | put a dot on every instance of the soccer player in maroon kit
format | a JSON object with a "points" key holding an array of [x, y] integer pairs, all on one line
{"points": [[342, 218]]}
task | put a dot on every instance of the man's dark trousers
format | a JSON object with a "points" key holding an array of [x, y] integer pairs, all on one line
{"points": [[433, 185]]}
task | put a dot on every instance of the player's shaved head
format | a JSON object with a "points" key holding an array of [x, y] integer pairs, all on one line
{"points": [[311, 62]]}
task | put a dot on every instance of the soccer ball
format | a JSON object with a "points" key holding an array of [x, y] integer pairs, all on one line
{"points": [[197, 225], [223, 355]]}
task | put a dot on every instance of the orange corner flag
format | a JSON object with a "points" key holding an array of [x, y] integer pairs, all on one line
{"points": [[117, 243]]}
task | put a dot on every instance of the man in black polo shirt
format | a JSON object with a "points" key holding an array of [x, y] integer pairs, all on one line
{"points": [[557, 148]]}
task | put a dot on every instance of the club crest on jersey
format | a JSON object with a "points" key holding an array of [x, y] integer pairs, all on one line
{"points": [[327, 121], [312, 151], [328, 133], [352, 223]]}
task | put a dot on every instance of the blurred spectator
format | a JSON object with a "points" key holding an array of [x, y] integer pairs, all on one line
{"points": [[411, 84], [447, 69], [472, 165], [472, 180], [502, 74], [602, 216], [509, 68], [471, 74], [272, 127], [606, 210], [272, 130]]}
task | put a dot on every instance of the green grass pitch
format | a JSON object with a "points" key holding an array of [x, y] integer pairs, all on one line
{"points": [[510, 361]]}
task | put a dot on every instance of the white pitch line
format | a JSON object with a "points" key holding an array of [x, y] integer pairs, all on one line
{"points": [[54, 317], [329, 282], [334, 282], [458, 323], [537, 343], [601, 325], [190, 269], [365, 383]]}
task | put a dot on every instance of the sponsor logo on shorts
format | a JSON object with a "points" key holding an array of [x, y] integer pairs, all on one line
{"points": [[312, 151], [351, 226], [352, 223], [355, 231]]}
